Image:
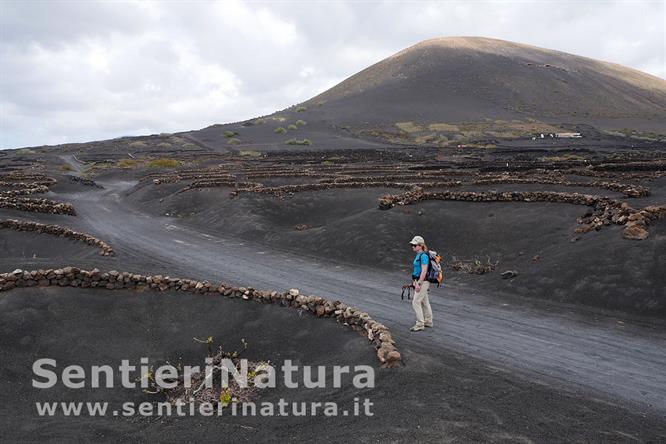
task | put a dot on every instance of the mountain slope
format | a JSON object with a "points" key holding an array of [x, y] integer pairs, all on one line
{"points": [[440, 73], [447, 91]]}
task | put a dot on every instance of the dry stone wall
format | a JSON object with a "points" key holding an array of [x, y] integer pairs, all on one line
{"points": [[605, 211], [84, 181], [37, 205], [57, 230], [628, 190], [23, 191], [30, 183], [378, 334]]}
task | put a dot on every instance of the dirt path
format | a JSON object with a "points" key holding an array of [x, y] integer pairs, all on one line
{"points": [[600, 354]]}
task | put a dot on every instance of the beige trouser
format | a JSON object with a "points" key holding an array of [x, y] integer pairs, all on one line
{"points": [[421, 305]]}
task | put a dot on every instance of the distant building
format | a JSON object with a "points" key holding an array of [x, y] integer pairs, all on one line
{"points": [[568, 135]]}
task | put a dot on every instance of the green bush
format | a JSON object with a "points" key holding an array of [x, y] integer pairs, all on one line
{"points": [[300, 122], [300, 109], [234, 141], [230, 134], [259, 121], [298, 142], [292, 127], [280, 130]]}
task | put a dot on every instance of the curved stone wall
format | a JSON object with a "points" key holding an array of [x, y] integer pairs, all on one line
{"points": [[378, 334], [57, 230], [606, 211]]}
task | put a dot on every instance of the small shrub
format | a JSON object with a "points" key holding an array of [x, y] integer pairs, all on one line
{"points": [[300, 109], [409, 127], [259, 121], [163, 163], [127, 163], [292, 127], [234, 141], [138, 144], [280, 130], [443, 127], [249, 153], [66, 167], [300, 122], [229, 134], [298, 142]]}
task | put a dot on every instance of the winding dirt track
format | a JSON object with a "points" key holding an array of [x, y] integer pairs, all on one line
{"points": [[596, 353]]}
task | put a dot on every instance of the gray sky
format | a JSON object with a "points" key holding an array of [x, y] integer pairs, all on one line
{"points": [[81, 71]]}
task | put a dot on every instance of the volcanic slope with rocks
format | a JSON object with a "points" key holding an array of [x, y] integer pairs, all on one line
{"points": [[550, 323]]}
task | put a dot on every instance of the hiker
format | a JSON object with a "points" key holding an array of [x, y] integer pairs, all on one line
{"points": [[421, 303]]}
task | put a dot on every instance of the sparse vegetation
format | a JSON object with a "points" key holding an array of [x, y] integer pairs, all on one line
{"points": [[280, 130], [259, 121], [127, 163], [249, 153], [229, 134], [475, 266], [163, 163], [409, 127], [635, 134], [563, 158], [300, 122], [217, 393], [66, 167], [484, 133], [138, 144], [301, 109], [298, 142], [234, 141], [443, 127], [292, 127]]}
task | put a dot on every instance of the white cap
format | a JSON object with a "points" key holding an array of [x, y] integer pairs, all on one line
{"points": [[418, 240]]}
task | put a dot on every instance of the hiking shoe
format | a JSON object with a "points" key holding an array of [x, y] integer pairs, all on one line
{"points": [[428, 324], [416, 328]]}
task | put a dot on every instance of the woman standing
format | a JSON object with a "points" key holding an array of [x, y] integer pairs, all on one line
{"points": [[421, 304]]}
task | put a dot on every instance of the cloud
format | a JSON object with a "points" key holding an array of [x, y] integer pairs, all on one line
{"points": [[77, 71]]}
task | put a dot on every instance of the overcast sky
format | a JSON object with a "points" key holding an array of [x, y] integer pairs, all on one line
{"points": [[81, 71]]}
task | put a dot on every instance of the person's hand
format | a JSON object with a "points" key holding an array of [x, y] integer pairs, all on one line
{"points": [[417, 286]]}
